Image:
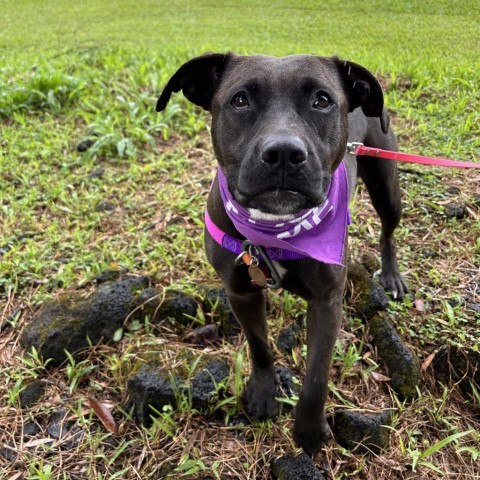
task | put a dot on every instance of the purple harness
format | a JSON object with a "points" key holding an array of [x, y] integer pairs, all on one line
{"points": [[319, 233]]}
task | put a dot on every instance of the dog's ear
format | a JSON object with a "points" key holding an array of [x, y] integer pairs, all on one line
{"points": [[363, 90], [198, 79]]}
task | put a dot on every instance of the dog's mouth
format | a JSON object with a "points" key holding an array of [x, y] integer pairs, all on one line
{"points": [[278, 201]]}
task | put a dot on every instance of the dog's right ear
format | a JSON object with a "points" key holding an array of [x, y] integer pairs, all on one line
{"points": [[198, 79]]}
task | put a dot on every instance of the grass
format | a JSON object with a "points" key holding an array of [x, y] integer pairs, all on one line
{"points": [[134, 200]]}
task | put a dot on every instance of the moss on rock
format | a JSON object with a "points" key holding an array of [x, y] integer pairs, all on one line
{"points": [[367, 296], [362, 433], [402, 365], [71, 322]]}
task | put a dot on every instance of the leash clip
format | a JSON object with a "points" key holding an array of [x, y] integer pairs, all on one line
{"points": [[250, 256], [352, 147]]}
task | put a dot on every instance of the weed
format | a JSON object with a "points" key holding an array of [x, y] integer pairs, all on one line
{"points": [[76, 370]]}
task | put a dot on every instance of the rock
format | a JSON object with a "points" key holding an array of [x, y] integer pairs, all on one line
{"points": [[475, 306], [108, 276], [58, 427], [97, 173], [215, 303], [72, 322], [204, 387], [429, 253], [30, 429], [362, 433], [288, 382], [402, 365], [455, 210], [295, 468], [9, 453], [84, 145], [174, 305], [368, 296], [453, 191], [204, 335], [105, 206], [32, 393], [371, 262], [149, 390], [454, 364], [287, 339], [153, 387]]}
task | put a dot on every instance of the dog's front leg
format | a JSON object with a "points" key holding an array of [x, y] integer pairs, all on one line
{"points": [[311, 429], [249, 310]]}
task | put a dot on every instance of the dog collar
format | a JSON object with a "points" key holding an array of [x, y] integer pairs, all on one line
{"points": [[318, 233]]}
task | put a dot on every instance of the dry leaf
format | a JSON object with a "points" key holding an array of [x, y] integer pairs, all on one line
{"points": [[104, 414], [420, 304], [37, 442], [379, 377], [428, 361], [205, 335], [17, 476]]}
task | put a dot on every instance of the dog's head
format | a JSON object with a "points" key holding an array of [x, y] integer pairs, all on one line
{"points": [[279, 125]]}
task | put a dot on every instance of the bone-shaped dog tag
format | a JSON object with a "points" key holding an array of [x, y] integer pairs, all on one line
{"points": [[257, 275]]}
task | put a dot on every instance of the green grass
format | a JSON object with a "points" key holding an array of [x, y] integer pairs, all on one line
{"points": [[76, 71]]}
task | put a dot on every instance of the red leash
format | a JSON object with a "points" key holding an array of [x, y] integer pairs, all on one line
{"points": [[355, 148]]}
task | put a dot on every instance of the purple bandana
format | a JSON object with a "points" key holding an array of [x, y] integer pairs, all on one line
{"points": [[319, 233]]}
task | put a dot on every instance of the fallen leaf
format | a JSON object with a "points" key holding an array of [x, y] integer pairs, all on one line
{"points": [[37, 442], [205, 335], [104, 414], [17, 476], [379, 377], [428, 361], [420, 304]]}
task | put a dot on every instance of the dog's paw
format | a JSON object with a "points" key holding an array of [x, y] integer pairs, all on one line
{"points": [[394, 284], [260, 399], [311, 436]]}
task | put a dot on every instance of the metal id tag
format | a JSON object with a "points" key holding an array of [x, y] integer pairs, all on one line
{"points": [[257, 275]]}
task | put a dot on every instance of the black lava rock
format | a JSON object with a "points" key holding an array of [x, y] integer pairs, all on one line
{"points": [[287, 339], [9, 454], [152, 387], [455, 210], [84, 145], [295, 468], [174, 305], [108, 276], [288, 382], [58, 426], [362, 433], [97, 173], [215, 303], [30, 429], [402, 365], [454, 364], [204, 386], [429, 253], [32, 393], [71, 322], [367, 295], [105, 206]]}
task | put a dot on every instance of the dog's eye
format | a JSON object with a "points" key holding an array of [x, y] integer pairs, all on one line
{"points": [[322, 101], [240, 100]]}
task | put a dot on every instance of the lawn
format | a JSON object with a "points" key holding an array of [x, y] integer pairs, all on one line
{"points": [[86, 74]]}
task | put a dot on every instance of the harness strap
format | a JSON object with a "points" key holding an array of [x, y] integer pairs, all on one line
{"points": [[234, 245]]}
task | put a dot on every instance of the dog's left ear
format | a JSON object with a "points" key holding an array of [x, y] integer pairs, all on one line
{"points": [[363, 90], [198, 79]]}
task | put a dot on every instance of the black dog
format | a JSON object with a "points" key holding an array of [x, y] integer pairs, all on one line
{"points": [[280, 128]]}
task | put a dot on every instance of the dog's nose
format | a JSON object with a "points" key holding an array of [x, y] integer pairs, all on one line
{"points": [[284, 152]]}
